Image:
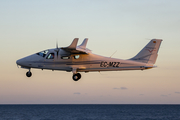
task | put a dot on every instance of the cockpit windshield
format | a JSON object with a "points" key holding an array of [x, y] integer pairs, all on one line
{"points": [[43, 53]]}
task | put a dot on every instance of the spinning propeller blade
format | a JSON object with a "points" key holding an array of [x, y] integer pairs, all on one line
{"points": [[57, 49], [56, 44]]}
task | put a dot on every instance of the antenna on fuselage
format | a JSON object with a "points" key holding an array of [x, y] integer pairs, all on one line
{"points": [[113, 53]]}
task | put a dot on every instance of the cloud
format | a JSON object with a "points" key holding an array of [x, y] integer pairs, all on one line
{"points": [[141, 94], [116, 88], [177, 92], [164, 95], [121, 88], [76, 93]]}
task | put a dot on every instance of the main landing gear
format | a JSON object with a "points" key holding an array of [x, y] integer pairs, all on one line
{"points": [[29, 74], [76, 76]]}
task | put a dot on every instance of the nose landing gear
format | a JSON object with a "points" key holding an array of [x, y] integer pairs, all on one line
{"points": [[29, 74], [76, 76]]}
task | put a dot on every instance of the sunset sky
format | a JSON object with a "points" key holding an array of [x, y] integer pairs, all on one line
{"points": [[125, 26]]}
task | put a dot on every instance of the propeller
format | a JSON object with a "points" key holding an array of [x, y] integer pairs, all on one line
{"points": [[57, 49], [56, 44]]}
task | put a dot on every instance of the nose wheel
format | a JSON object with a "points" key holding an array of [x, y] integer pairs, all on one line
{"points": [[76, 76], [29, 74]]}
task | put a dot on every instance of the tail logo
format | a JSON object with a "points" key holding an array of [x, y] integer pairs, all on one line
{"points": [[151, 49]]}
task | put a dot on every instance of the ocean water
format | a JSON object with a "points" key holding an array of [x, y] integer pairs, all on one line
{"points": [[89, 112]]}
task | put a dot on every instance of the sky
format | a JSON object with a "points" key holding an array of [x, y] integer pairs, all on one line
{"points": [[125, 26]]}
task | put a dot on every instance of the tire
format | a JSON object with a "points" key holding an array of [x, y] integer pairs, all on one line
{"points": [[79, 75], [76, 77], [28, 74]]}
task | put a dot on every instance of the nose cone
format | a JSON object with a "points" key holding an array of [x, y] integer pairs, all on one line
{"points": [[29, 61], [20, 62], [17, 62], [26, 61]]}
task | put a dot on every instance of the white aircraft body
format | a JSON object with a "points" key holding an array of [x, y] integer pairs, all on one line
{"points": [[77, 59]]}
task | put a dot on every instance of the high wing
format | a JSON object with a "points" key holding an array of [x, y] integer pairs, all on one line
{"points": [[74, 49]]}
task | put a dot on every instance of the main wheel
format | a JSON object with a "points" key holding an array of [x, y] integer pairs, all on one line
{"points": [[76, 77], [28, 74], [79, 75]]}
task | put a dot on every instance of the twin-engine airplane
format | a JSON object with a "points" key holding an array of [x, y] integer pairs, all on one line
{"points": [[77, 59]]}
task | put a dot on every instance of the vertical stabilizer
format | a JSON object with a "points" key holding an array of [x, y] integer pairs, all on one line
{"points": [[149, 53]]}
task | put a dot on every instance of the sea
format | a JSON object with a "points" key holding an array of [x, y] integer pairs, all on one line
{"points": [[90, 112]]}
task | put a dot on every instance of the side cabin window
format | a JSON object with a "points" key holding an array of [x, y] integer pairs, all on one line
{"points": [[50, 56], [76, 56], [65, 57], [43, 53]]}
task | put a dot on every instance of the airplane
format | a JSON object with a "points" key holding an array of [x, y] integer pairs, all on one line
{"points": [[78, 59]]}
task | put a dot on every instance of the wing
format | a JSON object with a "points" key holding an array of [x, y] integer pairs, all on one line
{"points": [[74, 49]]}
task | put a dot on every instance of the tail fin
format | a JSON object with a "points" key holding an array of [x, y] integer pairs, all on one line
{"points": [[149, 53]]}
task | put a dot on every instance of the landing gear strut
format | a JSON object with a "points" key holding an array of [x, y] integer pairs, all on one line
{"points": [[29, 74], [76, 76]]}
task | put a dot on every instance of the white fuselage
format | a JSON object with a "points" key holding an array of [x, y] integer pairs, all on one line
{"points": [[80, 59], [84, 63]]}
